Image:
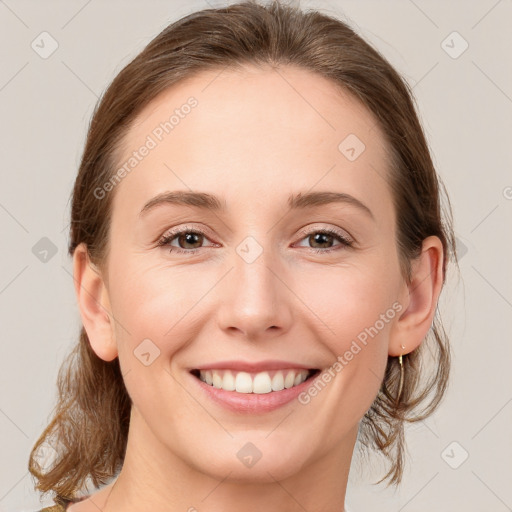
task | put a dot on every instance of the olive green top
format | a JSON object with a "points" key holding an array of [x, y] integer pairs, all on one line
{"points": [[62, 508]]}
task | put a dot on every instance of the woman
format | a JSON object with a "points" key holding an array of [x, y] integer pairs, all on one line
{"points": [[259, 249]]}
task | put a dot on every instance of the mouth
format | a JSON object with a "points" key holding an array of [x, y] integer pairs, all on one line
{"points": [[259, 383]]}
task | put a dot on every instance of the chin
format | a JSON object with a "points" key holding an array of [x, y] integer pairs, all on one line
{"points": [[254, 459]]}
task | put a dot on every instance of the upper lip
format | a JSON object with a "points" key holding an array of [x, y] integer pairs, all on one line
{"points": [[255, 366]]}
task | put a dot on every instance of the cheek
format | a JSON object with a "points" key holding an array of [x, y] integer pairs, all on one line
{"points": [[346, 301], [359, 311], [154, 304], [154, 295], [153, 308], [358, 308]]}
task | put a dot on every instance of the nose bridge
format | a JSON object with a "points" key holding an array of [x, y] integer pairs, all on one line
{"points": [[254, 273], [255, 295]]}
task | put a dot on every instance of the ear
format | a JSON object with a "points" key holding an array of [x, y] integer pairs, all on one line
{"points": [[419, 299], [94, 304]]}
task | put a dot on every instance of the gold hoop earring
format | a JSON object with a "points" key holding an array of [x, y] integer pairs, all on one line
{"points": [[400, 386]]}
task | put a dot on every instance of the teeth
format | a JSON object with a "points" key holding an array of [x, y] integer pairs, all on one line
{"points": [[243, 383], [228, 382], [262, 383], [297, 380], [290, 379], [259, 383], [217, 380], [278, 382]]}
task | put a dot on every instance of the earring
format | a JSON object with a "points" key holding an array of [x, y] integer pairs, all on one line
{"points": [[401, 375]]}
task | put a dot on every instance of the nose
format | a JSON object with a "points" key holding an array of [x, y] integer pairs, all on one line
{"points": [[255, 300]]}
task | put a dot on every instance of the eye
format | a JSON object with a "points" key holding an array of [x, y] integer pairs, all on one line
{"points": [[324, 237], [195, 237], [183, 236]]}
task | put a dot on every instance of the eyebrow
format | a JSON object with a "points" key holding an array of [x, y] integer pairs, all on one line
{"points": [[205, 201]]}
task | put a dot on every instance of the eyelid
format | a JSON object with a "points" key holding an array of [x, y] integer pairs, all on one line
{"points": [[346, 240], [304, 231], [185, 227], [343, 233]]}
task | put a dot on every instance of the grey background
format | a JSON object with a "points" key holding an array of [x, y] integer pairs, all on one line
{"points": [[465, 105]]}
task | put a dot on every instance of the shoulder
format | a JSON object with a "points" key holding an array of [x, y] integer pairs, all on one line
{"points": [[53, 508], [61, 508], [65, 506]]}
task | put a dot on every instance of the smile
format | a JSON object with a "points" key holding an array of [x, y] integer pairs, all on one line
{"points": [[252, 382]]}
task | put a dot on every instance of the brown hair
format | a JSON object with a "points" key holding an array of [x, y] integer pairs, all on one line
{"points": [[89, 426]]}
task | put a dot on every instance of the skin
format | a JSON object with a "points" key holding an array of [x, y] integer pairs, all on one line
{"points": [[256, 136]]}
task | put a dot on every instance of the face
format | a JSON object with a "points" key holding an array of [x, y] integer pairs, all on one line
{"points": [[263, 284]]}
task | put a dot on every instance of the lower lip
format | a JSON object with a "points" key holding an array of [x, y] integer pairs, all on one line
{"points": [[254, 403]]}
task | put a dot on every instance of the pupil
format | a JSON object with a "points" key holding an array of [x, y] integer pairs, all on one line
{"points": [[189, 237], [319, 236]]}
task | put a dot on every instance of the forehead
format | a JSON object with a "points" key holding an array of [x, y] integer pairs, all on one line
{"points": [[253, 133]]}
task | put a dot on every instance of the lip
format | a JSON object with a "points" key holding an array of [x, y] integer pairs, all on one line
{"points": [[253, 367], [253, 403]]}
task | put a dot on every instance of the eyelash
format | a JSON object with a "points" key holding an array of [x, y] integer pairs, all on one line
{"points": [[169, 237]]}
